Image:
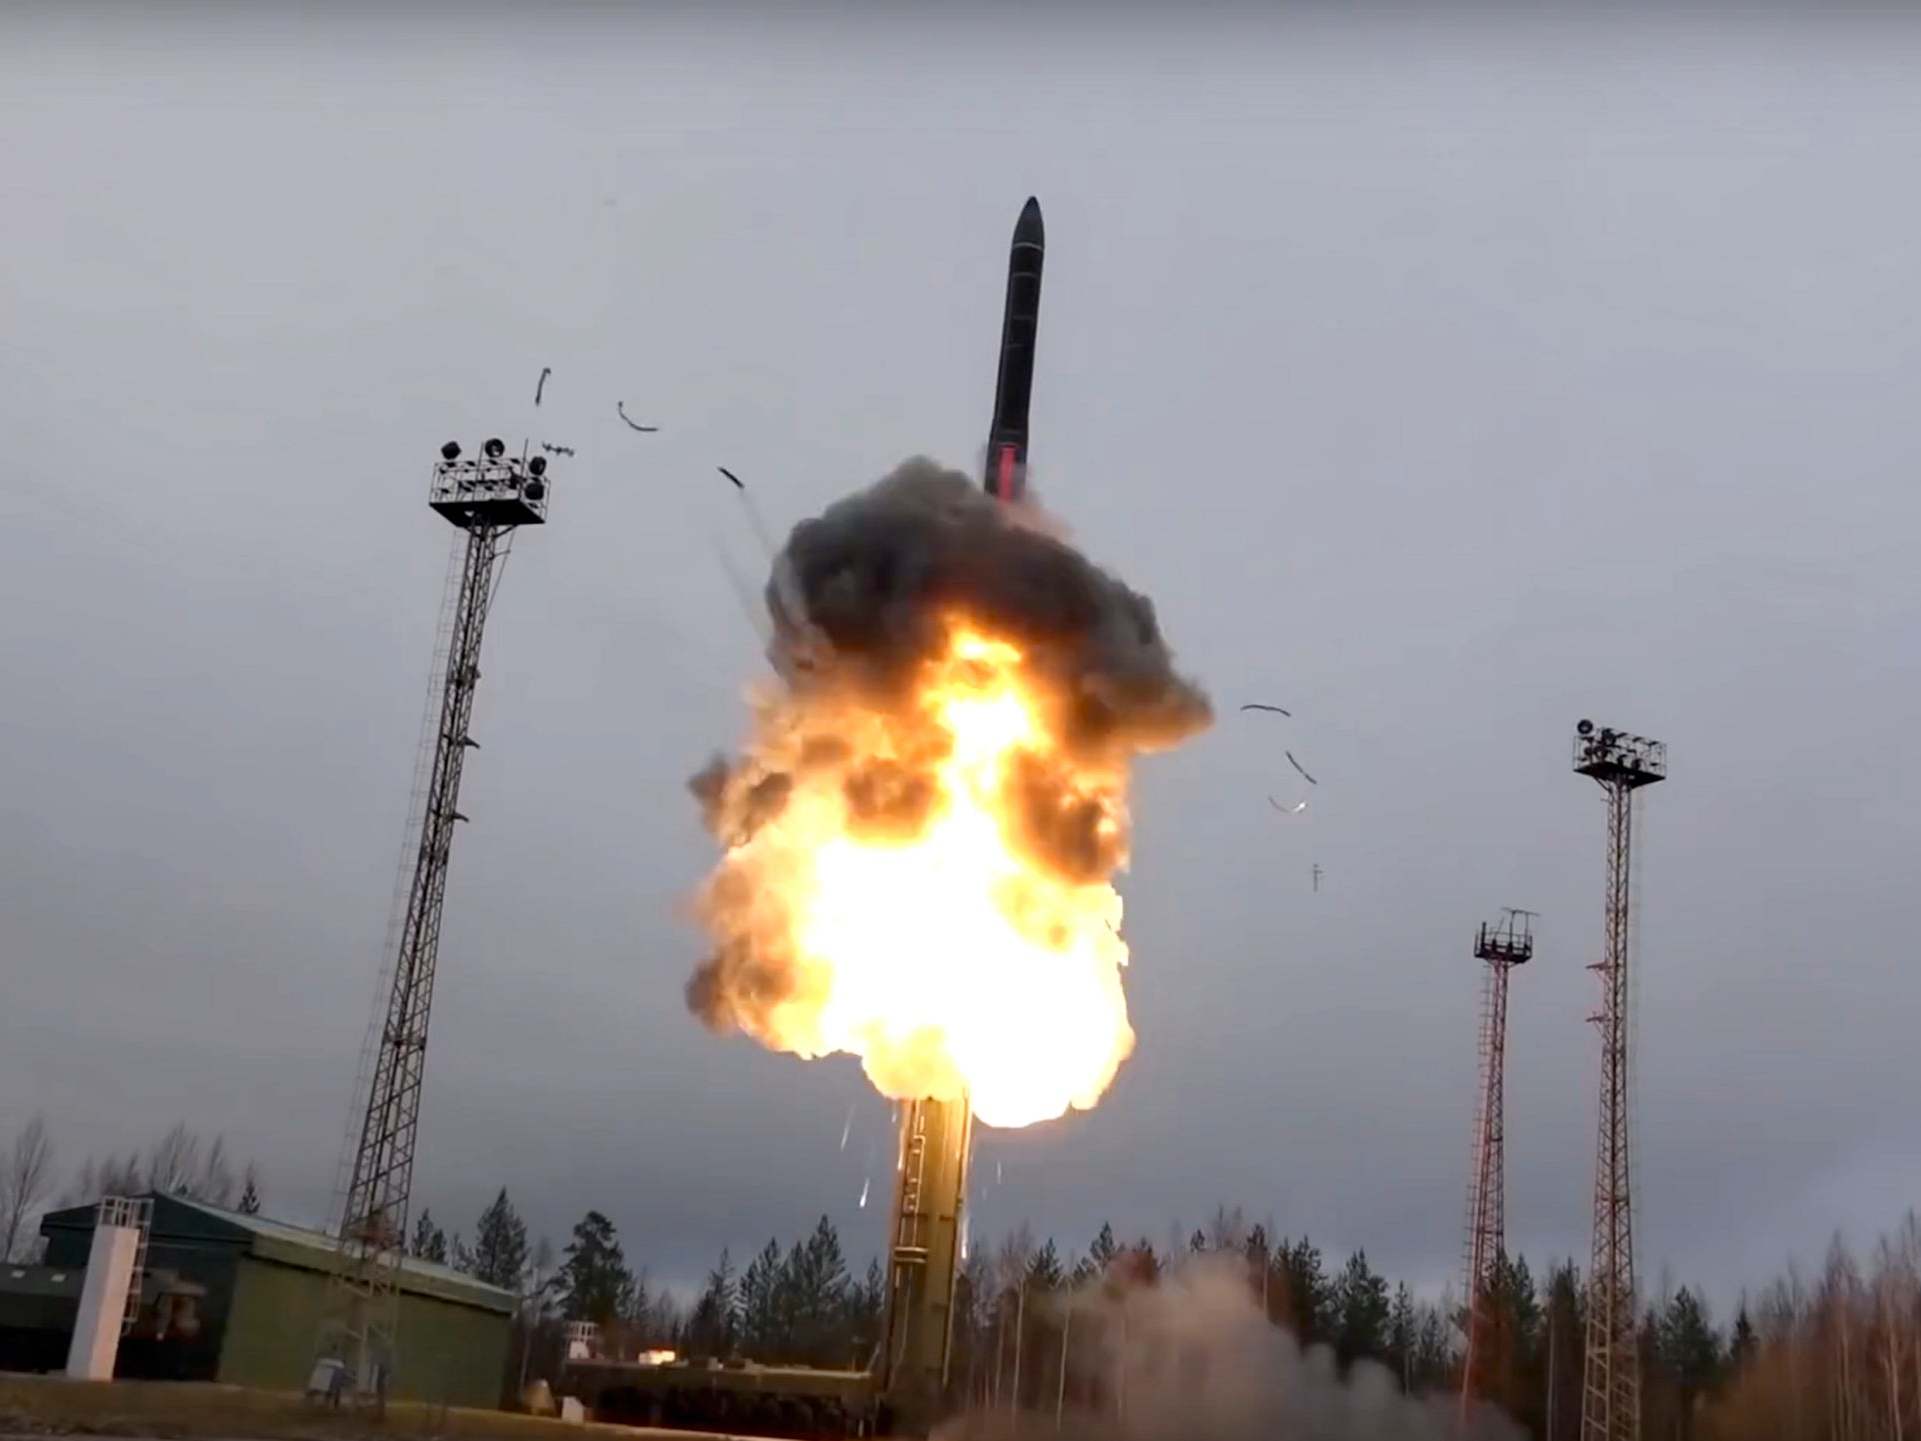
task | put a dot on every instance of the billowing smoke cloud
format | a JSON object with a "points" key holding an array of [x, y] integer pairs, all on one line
{"points": [[857, 742], [1193, 1359], [876, 576]]}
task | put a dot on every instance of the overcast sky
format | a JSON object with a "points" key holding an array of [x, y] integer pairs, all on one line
{"points": [[1442, 383]]}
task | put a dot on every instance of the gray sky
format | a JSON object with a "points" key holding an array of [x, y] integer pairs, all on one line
{"points": [[1442, 383]]}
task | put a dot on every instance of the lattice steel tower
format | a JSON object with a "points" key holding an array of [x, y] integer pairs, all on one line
{"points": [[489, 498], [1503, 945], [1611, 1385]]}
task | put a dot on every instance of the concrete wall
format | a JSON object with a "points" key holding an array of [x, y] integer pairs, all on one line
{"points": [[449, 1354], [103, 1302]]}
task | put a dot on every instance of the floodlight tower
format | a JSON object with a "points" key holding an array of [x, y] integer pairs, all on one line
{"points": [[489, 498], [1611, 1385], [1503, 945]]}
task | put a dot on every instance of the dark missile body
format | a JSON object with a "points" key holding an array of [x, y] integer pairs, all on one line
{"points": [[1007, 435]]}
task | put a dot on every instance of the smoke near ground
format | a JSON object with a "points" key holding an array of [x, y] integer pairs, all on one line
{"points": [[1193, 1359], [959, 696]]}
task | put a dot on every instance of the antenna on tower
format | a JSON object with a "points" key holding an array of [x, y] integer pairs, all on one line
{"points": [[1503, 945], [489, 497], [1611, 1384]]}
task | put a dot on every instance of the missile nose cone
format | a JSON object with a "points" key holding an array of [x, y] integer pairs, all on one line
{"points": [[1029, 226]]}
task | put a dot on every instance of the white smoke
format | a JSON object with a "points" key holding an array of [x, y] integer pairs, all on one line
{"points": [[1193, 1359]]}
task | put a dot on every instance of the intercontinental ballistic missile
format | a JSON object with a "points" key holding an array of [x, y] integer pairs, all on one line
{"points": [[1007, 435], [930, 1185]]}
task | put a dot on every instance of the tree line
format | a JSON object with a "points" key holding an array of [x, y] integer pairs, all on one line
{"points": [[798, 1305], [180, 1163], [1834, 1356]]}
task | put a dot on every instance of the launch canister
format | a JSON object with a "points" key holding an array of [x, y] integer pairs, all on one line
{"points": [[1007, 435]]}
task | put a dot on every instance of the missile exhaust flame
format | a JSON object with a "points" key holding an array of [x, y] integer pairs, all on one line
{"points": [[921, 839]]}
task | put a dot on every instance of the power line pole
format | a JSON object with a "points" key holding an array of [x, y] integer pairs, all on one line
{"points": [[489, 498], [1503, 945], [1611, 1383]]}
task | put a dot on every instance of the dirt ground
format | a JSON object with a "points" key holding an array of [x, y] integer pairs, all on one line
{"points": [[40, 1406]]}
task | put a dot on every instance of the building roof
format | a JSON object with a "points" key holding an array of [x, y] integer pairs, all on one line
{"points": [[300, 1246]]}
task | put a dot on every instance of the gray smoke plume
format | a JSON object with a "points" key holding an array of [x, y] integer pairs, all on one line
{"points": [[877, 575], [1193, 1359], [864, 599]]}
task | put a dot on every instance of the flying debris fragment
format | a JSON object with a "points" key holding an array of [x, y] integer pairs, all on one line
{"points": [[738, 484], [864, 1185], [633, 424], [847, 1129], [1293, 810], [1299, 767], [541, 385], [1256, 705], [556, 449]]}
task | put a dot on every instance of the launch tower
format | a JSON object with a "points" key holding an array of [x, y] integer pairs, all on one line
{"points": [[930, 1190]]}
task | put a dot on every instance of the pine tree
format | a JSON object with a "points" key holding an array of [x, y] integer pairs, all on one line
{"points": [[710, 1331], [819, 1281], [1506, 1343], [1361, 1311], [1433, 1356], [1099, 1257], [866, 1307], [1259, 1259], [500, 1245], [1304, 1303], [1564, 1325], [1401, 1326], [1044, 1272], [1104, 1249], [1515, 1294], [1742, 1343], [594, 1282], [756, 1321], [430, 1242], [1688, 1347]]}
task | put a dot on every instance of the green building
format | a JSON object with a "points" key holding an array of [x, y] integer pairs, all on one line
{"points": [[240, 1299]]}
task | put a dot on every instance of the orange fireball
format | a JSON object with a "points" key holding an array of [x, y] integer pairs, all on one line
{"points": [[899, 908]]}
